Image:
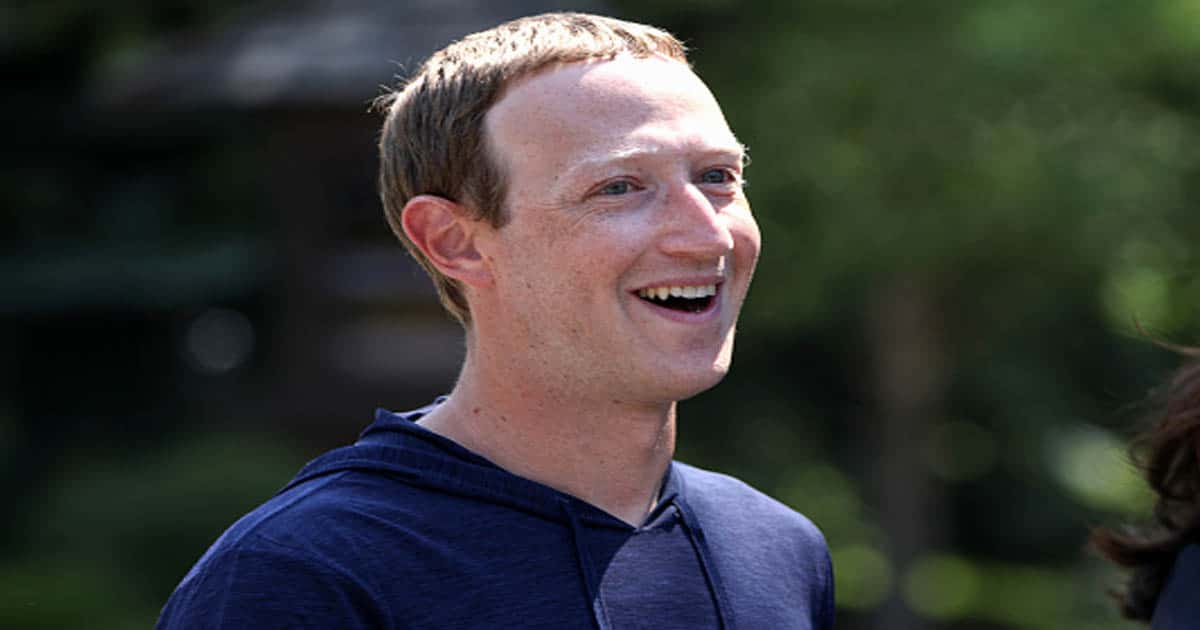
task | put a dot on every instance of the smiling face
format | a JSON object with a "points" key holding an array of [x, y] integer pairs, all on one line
{"points": [[630, 244]]}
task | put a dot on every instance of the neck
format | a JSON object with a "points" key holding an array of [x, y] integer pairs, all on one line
{"points": [[610, 453]]}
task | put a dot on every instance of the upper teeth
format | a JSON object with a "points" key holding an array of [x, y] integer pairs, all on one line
{"points": [[663, 293]]}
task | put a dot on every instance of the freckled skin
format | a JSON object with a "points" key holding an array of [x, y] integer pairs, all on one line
{"points": [[609, 166]]}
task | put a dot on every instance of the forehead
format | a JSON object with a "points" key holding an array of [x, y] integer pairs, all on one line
{"points": [[606, 110]]}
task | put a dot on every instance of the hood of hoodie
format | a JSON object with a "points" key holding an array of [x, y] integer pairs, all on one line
{"points": [[395, 445]]}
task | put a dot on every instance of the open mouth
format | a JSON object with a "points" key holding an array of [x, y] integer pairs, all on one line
{"points": [[689, 299]]}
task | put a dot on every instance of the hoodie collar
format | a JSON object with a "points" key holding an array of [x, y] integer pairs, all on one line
{"points": [[397, 445]]}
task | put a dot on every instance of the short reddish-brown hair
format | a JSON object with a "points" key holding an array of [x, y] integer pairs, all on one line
{"points": [[433, 139]]}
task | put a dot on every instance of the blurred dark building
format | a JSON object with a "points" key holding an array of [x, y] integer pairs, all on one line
{"points": [[227, 263]]}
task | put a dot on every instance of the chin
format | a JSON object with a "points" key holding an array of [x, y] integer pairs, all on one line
{"points": [[679, 378], [685, 386]]}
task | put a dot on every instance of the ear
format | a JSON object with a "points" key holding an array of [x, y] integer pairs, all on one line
{"points": [[444, 232]]}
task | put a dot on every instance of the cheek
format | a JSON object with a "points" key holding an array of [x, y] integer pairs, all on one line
{"points": [[557, 279], [604, 246]]}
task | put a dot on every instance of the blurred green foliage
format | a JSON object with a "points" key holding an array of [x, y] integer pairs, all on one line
{"points": [[1026, 173]]}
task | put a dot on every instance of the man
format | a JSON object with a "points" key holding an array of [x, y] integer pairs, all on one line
{"points": [[576, 195]]}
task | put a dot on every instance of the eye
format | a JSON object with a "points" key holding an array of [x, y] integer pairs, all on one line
{"points": [[619, 187], [719, 176]]}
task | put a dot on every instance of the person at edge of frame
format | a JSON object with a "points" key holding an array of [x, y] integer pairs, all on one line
{"points": [[1164, 557], [576, 195]]}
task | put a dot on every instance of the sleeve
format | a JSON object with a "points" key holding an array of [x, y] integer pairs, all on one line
{"points": [[266, 586]]}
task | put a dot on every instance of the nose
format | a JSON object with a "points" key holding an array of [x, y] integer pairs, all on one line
{"points": [[694, 227]]}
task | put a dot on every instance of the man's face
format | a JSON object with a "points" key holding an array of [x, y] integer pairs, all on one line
{"points": [[624, 186]]}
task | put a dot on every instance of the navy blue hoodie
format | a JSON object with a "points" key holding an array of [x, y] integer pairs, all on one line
{"points": [[1178, 608], [407, 529]]}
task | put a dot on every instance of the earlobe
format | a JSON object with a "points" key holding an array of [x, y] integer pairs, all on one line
{"points": [[441, 229]]}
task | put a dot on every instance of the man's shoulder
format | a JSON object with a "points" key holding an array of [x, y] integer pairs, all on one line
{"points": [[293, 519], [289, 562], [735, 503], [332, 513], [765, 551], [327, 539]]}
